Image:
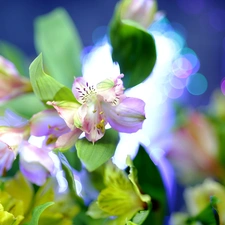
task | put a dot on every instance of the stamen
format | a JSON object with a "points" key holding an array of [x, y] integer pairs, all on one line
{"points": [[101, 126]]}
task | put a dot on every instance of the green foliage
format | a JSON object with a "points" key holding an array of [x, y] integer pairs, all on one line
{"points": [[133, 48], [140, 217], [94, 155], [57, 38], [151, 183], [33, 105], [72, 157], [37, 213], [45, 87], [207, 216]]}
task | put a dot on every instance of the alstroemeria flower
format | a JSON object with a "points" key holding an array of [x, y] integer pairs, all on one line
{"points": [[121, 199], [11, 83], [13, 129], [11, 209], [198, 198], [99, 105], [36, 163], [194, 150], [58, 134], [18, 199]]}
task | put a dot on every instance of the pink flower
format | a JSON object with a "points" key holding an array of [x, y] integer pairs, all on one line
{"points": [[36, 163], [11, 83], [99, 105], [13, 129], [194, 150], [7, 157], [48, 123]]}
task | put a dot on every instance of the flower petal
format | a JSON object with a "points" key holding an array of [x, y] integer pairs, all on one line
{"points": [[127, 117], [35, 163], [81, 88], [12, 136], [48, 122], [91, 120], [68, 140], [7, 157], [66, 111], [111, 90], [11, 83]]}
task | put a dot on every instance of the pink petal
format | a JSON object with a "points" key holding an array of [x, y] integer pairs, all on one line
{"points": [[92, 121], [127, 117], [7, 157], [68, 140], [12, 136], [81, 88], [48, 122], [66, 110], [11, 83], [111, 90], [35, 163]]}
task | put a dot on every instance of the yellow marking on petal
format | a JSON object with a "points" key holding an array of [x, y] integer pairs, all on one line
{"points": [[101, 112], [94, 111], [51, 139], [101, 126]]}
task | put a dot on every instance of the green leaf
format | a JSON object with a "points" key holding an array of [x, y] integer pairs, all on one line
{"points": [[151, 183], [33, 105], [83, 219], [140, 217], [16, 56], [94, 155], [209, 216], [72, 157], [70, 179], [37, 213], [57, 38], [131, 223], [134, 50], [45, 87]]}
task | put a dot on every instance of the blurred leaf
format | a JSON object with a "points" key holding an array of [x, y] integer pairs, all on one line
{"points": [[70, 179], [25, 105], [83, 219], [16, 56], [57, 38], [209, 215], [133, 48], [37, 213], [94, 155], [72, 157], [131, 223], [151, 183], [140, 217], [45, 87]]}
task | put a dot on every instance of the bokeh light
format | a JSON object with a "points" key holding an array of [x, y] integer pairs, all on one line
{"points": [[197, 84]]}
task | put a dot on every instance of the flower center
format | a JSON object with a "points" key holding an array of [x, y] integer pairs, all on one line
{"points": [[87, 93]]}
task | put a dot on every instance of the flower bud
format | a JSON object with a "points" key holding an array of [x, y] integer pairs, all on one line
{"points": [[11, 83], [140, 11]]}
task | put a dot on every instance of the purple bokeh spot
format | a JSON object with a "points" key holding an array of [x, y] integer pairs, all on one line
{"points": [[191, 6]]}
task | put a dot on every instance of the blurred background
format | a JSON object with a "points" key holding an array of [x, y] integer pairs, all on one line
{"points": [[200, 22]]}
